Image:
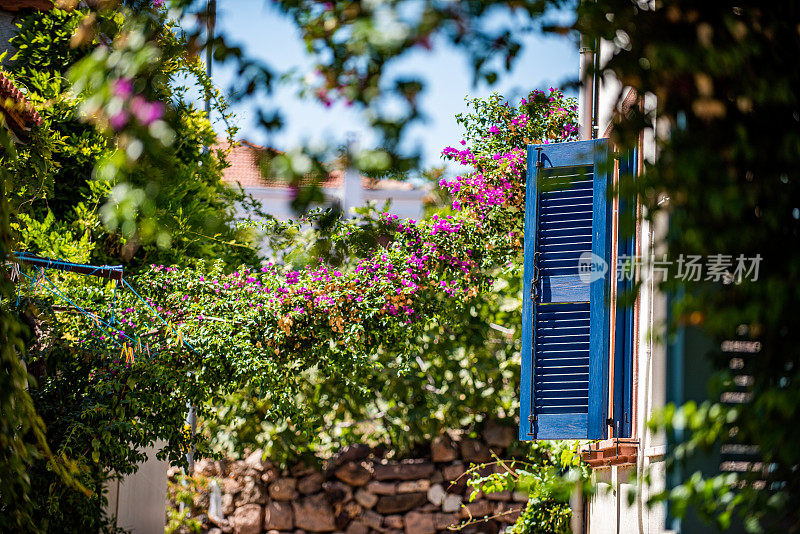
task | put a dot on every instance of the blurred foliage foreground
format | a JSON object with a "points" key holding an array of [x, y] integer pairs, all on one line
{"points": [[383, 331], [722, 77]]}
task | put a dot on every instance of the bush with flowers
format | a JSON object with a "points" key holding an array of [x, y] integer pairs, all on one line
{"points": [[389, 330], [460, 362], [197, 333]]}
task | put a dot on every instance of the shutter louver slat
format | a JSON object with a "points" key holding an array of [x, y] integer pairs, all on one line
{"points": [[561, 348]]}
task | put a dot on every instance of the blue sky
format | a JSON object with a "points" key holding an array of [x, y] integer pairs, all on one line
{"points": [[265, 33]]}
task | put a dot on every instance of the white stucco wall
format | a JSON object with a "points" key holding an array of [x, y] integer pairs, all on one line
{"points": [[277, 202], [7, 30], [610, 511], [405, 204], [139, 501]]}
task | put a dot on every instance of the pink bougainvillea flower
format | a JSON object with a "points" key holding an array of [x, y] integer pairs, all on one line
{"points": [[119, 120], [122, 87], [146, 112]]}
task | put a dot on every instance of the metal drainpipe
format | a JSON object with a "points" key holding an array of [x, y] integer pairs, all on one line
{"points": [[191, 421], [211, 14], [577, 502], [586, 95], [352, 190], [596, 87]]}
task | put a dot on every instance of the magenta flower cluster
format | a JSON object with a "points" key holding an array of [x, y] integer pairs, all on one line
{"points": [[135, 106], [400, 285], [484, 191]]}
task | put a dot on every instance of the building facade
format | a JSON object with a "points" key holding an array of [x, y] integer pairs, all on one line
{"points": [[344, 187], [596, 367]]}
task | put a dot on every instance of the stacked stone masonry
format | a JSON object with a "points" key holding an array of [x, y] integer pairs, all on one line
{"points": [[359, 491]]}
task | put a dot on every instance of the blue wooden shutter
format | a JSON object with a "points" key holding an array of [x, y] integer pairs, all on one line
{"points": [[623, 333], [565, 324]]}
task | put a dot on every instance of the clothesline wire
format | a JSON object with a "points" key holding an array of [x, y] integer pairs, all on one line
{"points": [[40, 264], [169, 325], [92, 315], [68, 266], [63, 265], [98, 321], [114, 304]]}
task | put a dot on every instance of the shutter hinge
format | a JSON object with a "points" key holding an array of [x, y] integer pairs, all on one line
{"points": [[536, 275], [531, 421], [610, 421], [539, 162]]}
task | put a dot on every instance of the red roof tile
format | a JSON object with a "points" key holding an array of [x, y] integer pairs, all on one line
{"points": [[244, 160], [16, 5], [19, 114]]}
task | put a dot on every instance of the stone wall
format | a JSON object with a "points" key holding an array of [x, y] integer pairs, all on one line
{"points": [[358, 491]]}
